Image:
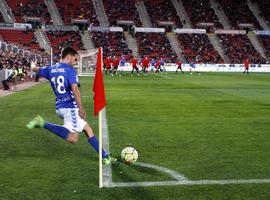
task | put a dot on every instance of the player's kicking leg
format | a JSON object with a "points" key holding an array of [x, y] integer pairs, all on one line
{"points": [[106, 157], [72, 137], [39, 122]]}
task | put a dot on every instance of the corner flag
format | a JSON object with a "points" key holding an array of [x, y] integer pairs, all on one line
{"points": [[98, 86], [99, 104]]}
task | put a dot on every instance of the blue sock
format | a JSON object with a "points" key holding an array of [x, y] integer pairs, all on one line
{"points": [[94, 142], [56, 129]]}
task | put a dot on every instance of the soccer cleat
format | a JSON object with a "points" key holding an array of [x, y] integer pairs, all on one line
{"points": [[109, 160], [38, 121]]}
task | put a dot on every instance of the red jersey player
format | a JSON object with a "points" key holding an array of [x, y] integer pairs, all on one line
{"points": [[179, 66], [246, 65], [134, 63], [115, 64], [108, 64], [157, 66], [145, 64]]}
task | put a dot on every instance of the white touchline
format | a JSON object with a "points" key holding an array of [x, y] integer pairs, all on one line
{"points": [[107, 169], [187, 182], [179, 178]]}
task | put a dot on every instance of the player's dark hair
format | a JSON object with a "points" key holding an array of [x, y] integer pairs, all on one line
{"points": [[68, 51]]}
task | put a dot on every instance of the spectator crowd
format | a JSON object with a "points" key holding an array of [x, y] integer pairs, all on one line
{"points": [[155, 45], [198, 49], [239, 48]]}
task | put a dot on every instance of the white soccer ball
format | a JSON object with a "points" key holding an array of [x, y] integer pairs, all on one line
{"points": [[129, 155]]}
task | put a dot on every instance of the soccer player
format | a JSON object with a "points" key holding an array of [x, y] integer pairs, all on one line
{"points": [[115, 64], [145, 65], [152, 64], [69, 107], [108, 63], [179, 66], [157, 66], [162, 65], [121, 64], [246, 65], [134, 64], [193, 68]]}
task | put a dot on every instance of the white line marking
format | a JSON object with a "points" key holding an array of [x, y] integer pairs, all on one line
{"points": [[172, 173], [107, 169], [187, 182]]}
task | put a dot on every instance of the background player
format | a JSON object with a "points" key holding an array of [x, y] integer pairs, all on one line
{"points": [[69, 107], [179, 66], [145, 65], [157, 66], [193, 68], [246, 65], [134, 64], [108, 65], [121, 65], [115, 64], [162, 65]]}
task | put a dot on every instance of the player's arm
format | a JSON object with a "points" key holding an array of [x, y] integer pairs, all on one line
{"points": [[34, 67], [43, 71], [78, 99]]}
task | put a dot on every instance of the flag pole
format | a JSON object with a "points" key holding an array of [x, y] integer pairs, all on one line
{"points": [[99, 105], [100, 132], [100, 149]]}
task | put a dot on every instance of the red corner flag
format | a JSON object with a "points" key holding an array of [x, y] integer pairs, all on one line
{"points": [[98, 86]]}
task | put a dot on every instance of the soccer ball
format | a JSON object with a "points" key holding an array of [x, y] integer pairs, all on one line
{"points": [[129, 155]]}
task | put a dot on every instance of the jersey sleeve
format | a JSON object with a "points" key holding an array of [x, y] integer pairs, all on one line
{"points": [[72, 78], [43, 71]]}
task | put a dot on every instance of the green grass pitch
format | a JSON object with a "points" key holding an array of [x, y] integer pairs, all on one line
{"points": [[213, 126]]}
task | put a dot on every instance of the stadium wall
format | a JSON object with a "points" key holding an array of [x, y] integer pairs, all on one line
{"points": [[171, 67]]}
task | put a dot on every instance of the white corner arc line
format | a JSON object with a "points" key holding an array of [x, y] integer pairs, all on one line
{"points": [[173, 174]]}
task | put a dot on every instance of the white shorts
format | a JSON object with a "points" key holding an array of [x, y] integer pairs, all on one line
{"points": [[72, 121]]}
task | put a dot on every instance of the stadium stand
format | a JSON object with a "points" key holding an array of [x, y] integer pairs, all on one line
{"points": [[113, 43], [121, 10], [8, 59], [238, 12], [2, 18], [200, 11], [155, 45], [265, 41], [264, 8], [30, 8], [162, 11], [21, 38], [60, 39], [238, 47], [198, 49], [18, 59], [73, 9]]}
